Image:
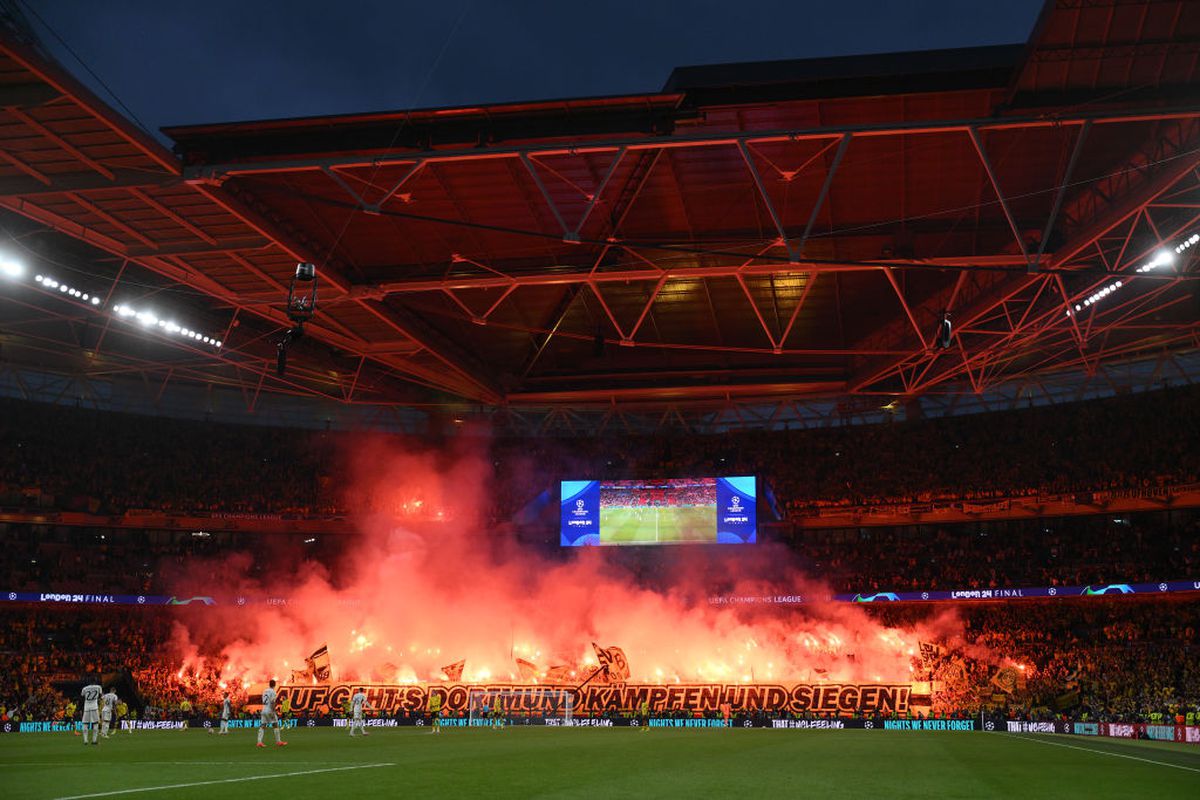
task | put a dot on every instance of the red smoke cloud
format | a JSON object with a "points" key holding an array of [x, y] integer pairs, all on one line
{"points": [[422, 596]]}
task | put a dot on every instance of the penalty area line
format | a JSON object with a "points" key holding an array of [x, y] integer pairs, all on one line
{"points": [[1028, 738], [220, 781]]}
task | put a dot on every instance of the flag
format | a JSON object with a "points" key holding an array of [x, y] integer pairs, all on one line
{"points": [[318, 664], [560, 673], [930, 651], [453, 672], [527, 669], [299, 676], [612, 663], [1006, 679], [1066, 700]]}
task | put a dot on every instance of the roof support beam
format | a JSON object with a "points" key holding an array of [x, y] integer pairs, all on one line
{"points": [[650, 272], [793, 254], [907, 308], [1129, 206], [60, 183], [89, 206], [220, 171], [62, 143], [1045, 322], [991, 174], [820, 201], [1036, 261], [219, 247], [67, 85], [560, 314], [480, 387], [171, 215], [39, 177]]}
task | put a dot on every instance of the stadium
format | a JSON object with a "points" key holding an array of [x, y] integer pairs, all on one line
{"points": [[823, 426]]}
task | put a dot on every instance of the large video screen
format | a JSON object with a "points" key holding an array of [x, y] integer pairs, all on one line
{"points": [[659, 511]]}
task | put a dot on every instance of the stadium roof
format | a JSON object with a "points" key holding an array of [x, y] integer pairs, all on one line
{"points": [[753, 232]]}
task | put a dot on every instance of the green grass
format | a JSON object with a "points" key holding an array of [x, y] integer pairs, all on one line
{"points": [[658, 524], [599, 763]]}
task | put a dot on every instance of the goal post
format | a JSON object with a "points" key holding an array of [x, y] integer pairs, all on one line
{"points": [[495, 706]]}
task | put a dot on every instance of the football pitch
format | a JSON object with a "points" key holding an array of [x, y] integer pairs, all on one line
{"points": [[596, 763], [657, 524]]}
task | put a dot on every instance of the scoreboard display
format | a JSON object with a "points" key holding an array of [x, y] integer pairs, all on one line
{"points": [[659, 511]]}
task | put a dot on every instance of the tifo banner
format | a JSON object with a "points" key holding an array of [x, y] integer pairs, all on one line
{"points": [[391, 699]]}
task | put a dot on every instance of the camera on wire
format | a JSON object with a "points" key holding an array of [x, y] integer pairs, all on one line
{"points": [[301, 305]]}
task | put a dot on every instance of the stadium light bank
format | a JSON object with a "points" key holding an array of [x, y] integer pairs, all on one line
{"points": [[149, 319], [1162, 258]]}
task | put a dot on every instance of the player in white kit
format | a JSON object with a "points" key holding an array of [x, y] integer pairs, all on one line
{"points": [[91, 712], [225, 713], [269, 717], [357, 703], [108, 706]]}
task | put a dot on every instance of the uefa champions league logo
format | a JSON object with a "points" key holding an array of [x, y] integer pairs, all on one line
{"points": [[735, 505], [580, 509]]}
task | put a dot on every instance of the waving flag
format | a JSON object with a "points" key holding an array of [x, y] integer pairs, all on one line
{"points": [[1006, 679], [453, 672], [613, 663], [930, 651], [527, 669], [560, 673], [318, 664]]}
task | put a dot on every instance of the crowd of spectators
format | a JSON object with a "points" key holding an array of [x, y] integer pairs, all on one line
{"points": [[1121, 443], [44, 649], [659, 493], [1109, 660], [1103, 660], [1127, 660], [40, 557], [85, 460], [1066, 551]]}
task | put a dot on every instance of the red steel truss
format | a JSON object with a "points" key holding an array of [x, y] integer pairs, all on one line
{"points": [[687, 247]]}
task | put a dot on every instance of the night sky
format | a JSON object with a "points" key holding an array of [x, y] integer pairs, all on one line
{"points": [[175, 62]]}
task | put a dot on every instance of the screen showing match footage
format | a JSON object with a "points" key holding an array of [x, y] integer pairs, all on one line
{"points": [[660, 511]]}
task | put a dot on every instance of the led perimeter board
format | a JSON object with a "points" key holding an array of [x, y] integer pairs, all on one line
{"points": [[659, 511]]}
